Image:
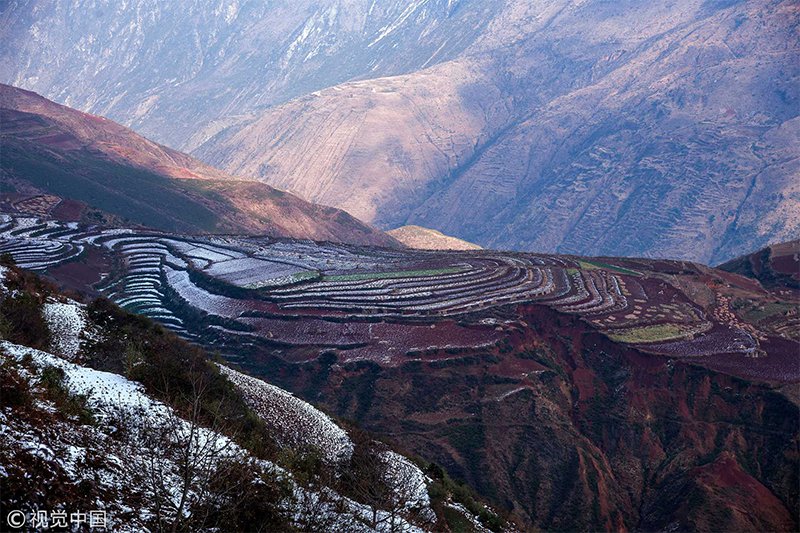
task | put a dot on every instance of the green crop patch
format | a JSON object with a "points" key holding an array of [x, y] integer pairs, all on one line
{"points": [[595, 265], [755, 313], [396, 274], [654, 333]]}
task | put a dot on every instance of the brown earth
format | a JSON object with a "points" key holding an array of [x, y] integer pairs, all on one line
{"points": [[63, 153], [570, 431], [429, 239], [596, 413]]}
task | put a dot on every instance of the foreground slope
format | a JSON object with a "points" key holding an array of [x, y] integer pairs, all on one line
{"points": [[53, 150], [103, 410], [574, 392]]}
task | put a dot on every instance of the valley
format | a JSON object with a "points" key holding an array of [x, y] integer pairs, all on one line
{"points": [[401, 266], [618, 361]]}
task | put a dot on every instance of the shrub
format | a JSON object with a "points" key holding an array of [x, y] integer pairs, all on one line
{"points": [[15, 391], [22, 320], [53, 379], [444, 488], [170, 369], [243, 497]]}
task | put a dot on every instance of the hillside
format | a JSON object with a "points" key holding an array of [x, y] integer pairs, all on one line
{"points": [[776, 267], [574, 393], [584, 128], [429, 239], [189, 70], [53, 151], [101, 410], [623, 128]]}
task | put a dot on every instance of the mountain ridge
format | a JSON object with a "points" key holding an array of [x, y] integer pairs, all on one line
{"points": [[49, 148], [429, 239], [634, 129]]}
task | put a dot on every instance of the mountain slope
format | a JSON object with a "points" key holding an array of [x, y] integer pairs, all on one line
{"points": [[776, 267], [179, 72], [132, 418], [626, 128], [629, 130], [429, 239], [51, 149], [576, 393]]}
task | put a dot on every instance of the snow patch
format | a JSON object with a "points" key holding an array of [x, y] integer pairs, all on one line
{"points": [[299, 423], [66, 321], [407, 479]]}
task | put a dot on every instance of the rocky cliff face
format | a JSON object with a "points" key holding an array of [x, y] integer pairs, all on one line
{"points": [[621, 128], [178, 72]]}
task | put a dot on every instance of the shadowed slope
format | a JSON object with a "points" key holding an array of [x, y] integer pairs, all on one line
{"points": [[49, 148]]}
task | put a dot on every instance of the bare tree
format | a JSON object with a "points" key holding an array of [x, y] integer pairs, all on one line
{"points": [[318, 507], [192, 472], [407, 501], [199, 451], [390, 485]]}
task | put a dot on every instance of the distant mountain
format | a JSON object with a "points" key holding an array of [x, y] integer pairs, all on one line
{"points": [[180, 71], [429, 239], [617, 128], [51, 149], [606, 128]]}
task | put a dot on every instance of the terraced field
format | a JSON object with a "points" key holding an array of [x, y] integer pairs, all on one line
{"points": [[303, 298]]}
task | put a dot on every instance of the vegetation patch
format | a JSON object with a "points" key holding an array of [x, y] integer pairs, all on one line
{"points": [[594, 265], [397, 274], [754, 312], [654, 333], [297, 277]]}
